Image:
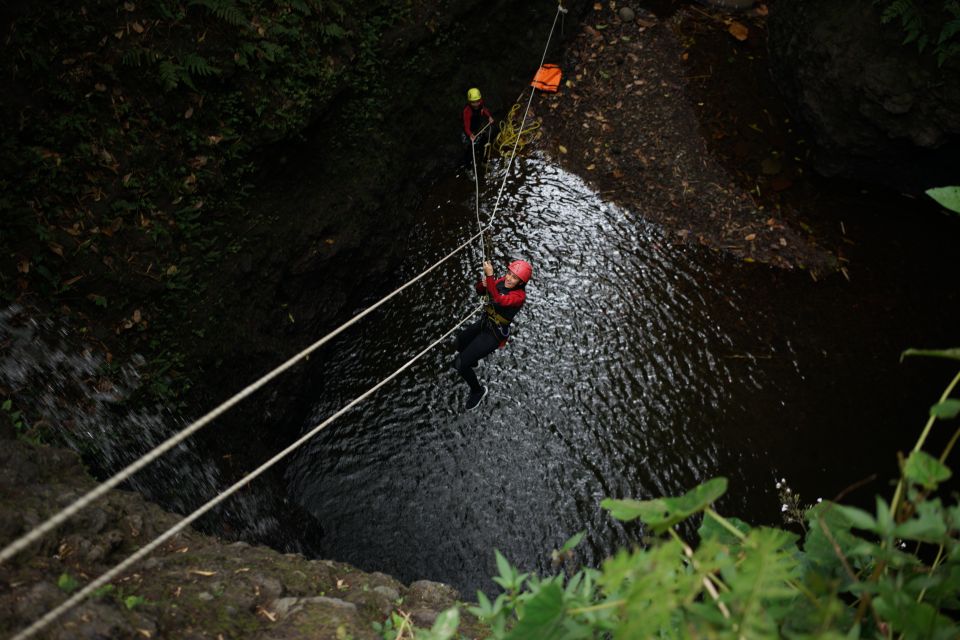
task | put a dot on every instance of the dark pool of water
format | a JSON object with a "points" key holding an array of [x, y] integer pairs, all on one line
{"points": [[638, 369]]}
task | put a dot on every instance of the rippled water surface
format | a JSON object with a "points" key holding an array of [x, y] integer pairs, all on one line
{"points": [[638, 368]]}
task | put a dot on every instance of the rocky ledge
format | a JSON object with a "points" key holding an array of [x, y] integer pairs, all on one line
{"points": [[194, 586]]}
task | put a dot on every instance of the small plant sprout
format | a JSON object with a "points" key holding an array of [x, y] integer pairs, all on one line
{"points": [[793, 512]]}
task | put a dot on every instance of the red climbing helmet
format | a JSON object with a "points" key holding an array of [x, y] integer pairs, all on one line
{"points": [[521, 269]]}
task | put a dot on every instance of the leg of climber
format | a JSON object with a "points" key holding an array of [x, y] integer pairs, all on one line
{"points": [[473, 343]]}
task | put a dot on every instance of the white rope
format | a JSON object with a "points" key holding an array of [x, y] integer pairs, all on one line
{"points": [[135, 557], [59, 518], [473, 148], [482, 129], [516, 142], [476, 184]]}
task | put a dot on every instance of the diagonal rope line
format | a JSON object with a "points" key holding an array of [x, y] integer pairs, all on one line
{"points": [[135, 557], [516, 142], [476, 184], [59, 518]]}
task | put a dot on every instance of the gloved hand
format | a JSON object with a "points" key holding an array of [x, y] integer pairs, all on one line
{"points": [[480, 287]]}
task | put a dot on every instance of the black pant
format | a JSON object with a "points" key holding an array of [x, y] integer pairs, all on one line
{"points": [[473, 343]]}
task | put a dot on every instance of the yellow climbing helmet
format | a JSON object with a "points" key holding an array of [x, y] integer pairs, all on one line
{"points": [[473, 94]]}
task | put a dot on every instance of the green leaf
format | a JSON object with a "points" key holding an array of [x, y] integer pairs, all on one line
{"points": [[503, 565], [573, 542], [542, 615], [169, 74], [923, 469], [509, 578], [947, 409], [132, 601], [948, 197], [332, 30], [67, 583], [867, 553], [951, 354], [662, 513], [6, 404], [446, 624], [484, 608], [857, 518], [907, 616], [710, 529], [628, 510], [884, 517], [759, 590], [828, 525], [928, 524], [104, 590]]}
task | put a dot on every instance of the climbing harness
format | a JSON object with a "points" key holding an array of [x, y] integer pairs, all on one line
{"points": [[495, 317], [499, 324]]}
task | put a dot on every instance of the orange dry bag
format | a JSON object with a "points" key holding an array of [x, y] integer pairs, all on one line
{"points": [[547, 78]]}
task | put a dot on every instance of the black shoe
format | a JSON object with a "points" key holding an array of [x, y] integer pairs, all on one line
{"points": [[475, 397]]}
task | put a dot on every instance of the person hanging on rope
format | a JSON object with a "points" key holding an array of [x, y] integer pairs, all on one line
{"points": [[504, 298], [475, 116]]}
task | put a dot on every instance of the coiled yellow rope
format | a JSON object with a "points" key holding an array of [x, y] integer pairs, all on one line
{"points": [[510, 131]]}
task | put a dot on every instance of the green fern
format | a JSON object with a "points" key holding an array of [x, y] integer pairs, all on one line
{"points": [[944, 53], [907, 12], [271, 51], [335, 8], [332, 31], [198, 66], [247, 51], [137, 56], [173, 73], [301, 6], [759, 584], [952, 27], [226, 10], [170, 74], [920, 31], [896, 9]]}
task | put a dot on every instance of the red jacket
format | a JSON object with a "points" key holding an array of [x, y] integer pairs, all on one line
{"points": [[506, 302], [475, 118]]}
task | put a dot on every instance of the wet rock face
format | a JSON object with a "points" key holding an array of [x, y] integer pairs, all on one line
{"points": [[877, 109], [193, 587]]}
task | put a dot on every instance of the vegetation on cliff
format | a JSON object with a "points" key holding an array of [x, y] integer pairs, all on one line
{"points": [[129, 141], [192, 586], [933, 25]]}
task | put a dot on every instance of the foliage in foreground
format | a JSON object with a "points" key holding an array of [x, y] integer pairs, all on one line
{"points": [[892, 572]]}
